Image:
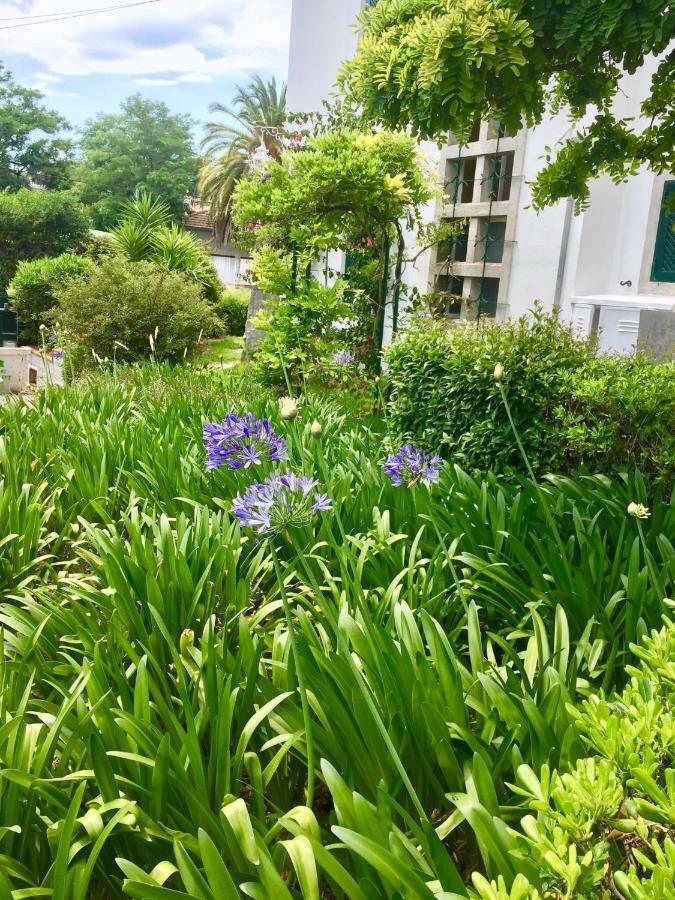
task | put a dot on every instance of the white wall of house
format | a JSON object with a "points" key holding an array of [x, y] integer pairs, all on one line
{"points": [[322, 37]]}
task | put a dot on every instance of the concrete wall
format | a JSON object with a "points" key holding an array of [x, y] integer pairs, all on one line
{"points": [[18, 362], [323, 36], [657, 333]]}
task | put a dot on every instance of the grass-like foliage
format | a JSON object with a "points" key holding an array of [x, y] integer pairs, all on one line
{"points": [[411, 694]]}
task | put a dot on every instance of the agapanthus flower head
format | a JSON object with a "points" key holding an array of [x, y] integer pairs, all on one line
{"points": [[638, 510], [410, 465], [343, 358], [240, 442], [280, 501]]}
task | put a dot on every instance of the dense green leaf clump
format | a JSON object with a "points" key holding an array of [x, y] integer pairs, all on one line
{"points": [[126, 311], [33, 290], [341, 187], [571, 408], [442, 64], [145, 232], [35, 224]]}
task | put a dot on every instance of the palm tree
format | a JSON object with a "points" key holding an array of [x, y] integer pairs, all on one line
{"points": [[257, 115]]}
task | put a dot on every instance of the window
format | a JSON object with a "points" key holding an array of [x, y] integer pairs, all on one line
{"points": [[491, 237], [486, 300], [455, 248], [32, 376], [497, 178], [663, 268], [453, 287], [460, 175]]}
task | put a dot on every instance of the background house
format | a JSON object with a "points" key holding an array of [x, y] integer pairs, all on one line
{"points": [[611, 269], [231, 263]]}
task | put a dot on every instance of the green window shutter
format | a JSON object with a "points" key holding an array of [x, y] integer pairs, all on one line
{"points": [[664, 251]]}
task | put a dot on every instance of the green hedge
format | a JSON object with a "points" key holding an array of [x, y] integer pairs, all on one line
{"points": [[571, 408], [32, 292], [232, 308]]}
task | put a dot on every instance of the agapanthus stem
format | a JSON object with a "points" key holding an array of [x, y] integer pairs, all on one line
{"points": [[540, 493], [306, 715]]}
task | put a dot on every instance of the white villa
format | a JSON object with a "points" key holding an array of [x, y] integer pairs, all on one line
{"points": [[610, 270]]}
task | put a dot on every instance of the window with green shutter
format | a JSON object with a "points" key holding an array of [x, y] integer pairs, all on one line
{"points": [[663, 268]]}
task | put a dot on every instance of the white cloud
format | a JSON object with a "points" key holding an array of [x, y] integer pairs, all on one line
{"points": [[186, 40], [156, 82]]}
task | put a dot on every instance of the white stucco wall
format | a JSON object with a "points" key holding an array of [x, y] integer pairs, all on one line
{"points": [[323, 36], [14, 375]]}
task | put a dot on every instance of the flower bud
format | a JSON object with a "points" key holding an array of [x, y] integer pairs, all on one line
{"points": [[187, 640], [316, 429], [499, 372], [288, 408]]}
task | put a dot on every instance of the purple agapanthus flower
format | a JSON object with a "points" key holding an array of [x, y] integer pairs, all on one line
{"points": [[239, 442], [343, 358], [410, 465], [279, 502]]}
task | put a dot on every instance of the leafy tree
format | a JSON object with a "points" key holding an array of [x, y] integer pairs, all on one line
{"points": [[257, 114], [144, 147], [442, 64], [35, 224], [31, 148], [343, 190]]}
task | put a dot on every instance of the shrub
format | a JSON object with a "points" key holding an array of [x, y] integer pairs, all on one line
{"points": [[572, 408], [619, 410], [115, 306], [32, 291], [299, 331], [445, 397], [145, 232], [35, 224], [232, 308]]}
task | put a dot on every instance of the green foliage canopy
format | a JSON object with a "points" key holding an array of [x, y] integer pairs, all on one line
{"points": [[442, 64], [32, 149], [345, 186], [145, 232], [144, 147], [37, 223]]}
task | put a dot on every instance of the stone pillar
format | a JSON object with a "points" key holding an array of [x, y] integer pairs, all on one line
{"points": [[253, 335]]}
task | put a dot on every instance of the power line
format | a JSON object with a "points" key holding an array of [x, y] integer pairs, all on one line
{"points": [[47, 18]]}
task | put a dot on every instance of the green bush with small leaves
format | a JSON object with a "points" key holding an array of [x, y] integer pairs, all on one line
{"points": [[127, 311], [232, 308], [572, 409], [32, 291], [618, 411], [444, 394]]}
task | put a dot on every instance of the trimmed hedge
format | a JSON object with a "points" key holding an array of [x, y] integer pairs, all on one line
{"points": [[572, 408]]}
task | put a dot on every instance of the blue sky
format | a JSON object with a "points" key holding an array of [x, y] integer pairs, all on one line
{"points": [[188, 53]]}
